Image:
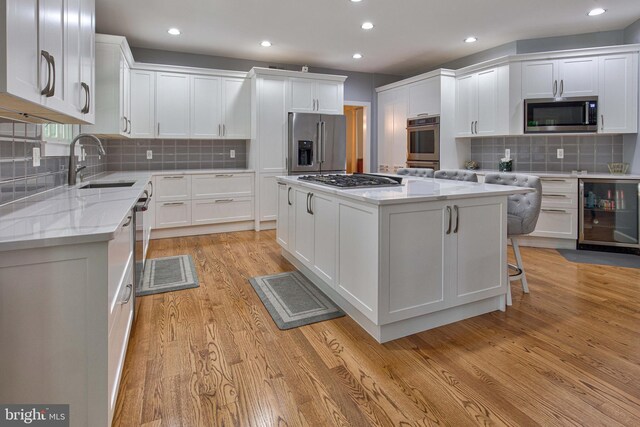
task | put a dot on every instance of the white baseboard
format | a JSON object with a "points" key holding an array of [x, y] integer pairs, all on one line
{"points": [[196, 230]]}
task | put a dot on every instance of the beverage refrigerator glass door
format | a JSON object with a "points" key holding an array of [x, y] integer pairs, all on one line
{"points": [[423, 139], [561, 115], [609, 212]]}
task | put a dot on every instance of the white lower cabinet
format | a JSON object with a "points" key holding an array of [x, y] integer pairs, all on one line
{"points": [[221, 210], [184, 200], [268, 196], [559, 213], [173, 214], [399, 261]]}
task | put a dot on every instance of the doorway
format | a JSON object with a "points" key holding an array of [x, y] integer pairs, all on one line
{"points": [[356, 114]]}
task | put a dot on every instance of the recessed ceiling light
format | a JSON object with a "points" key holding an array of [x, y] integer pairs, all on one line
{"points": [[265, 43], [597, 11], [367, 26], [357, 56], [471, 39], [356, 1], [173, 31]]}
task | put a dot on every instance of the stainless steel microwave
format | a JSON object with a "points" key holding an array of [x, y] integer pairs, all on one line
{"points": [[561, 115]]}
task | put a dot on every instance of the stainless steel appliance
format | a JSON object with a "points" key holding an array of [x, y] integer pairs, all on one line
{"points": [[357, 180], [609, 213], [551, 115], [317, 144], [423, 142], [142, 231]]}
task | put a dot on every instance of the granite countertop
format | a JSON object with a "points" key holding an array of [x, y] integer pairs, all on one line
{"points": [[69, 215], [413, 190]]}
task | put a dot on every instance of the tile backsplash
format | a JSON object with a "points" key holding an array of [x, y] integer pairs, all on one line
{"points": [[18, 177], [539, 153], [171, 154]]}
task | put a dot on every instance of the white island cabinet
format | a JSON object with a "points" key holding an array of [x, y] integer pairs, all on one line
{"points": [[400, 260]]}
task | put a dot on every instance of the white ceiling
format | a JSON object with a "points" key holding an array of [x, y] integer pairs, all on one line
{"points": [[409, 35]]}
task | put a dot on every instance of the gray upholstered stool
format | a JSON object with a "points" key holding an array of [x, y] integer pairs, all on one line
{"points": [[456, 175], [522, 215], [419, 172]]}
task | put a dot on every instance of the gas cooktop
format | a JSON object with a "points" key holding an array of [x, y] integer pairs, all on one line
{"points": [[358, 180]]}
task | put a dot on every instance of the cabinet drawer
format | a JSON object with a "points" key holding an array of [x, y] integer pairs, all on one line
{"points": [[173, 214], [559, 200], [120, 255], [558, 223], [221, 185], [119, 337], [222, 210], [172, 188], [559, 185]]}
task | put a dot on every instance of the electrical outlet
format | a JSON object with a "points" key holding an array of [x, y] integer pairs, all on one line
{"points": [[507, 153], [232, 154], [560, 153], [36, 157], [149, 154]]}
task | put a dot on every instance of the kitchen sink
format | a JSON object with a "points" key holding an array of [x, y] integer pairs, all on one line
{"points": [[106, 185]]}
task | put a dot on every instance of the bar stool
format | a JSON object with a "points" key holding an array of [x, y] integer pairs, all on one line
{"points": [[522, 215], [419, 172], [456, 175]]}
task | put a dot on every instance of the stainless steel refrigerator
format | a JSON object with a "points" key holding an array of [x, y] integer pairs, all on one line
{"points": [[317, 144]]}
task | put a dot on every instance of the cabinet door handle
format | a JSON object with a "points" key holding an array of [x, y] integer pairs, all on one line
{"points": [[173, 204], [472, 127], [476, 127], [308, 202], [449, 215], [554, 210], [124, 129], [87, 98], [559, 196], [151, 185], [128, 223], [317, 105], [224, 130], [601, 121], [311, 203], [173, 177], [457, 211], [219, 130], [224, 201], [129, 294], [224, 175], [129, 120], [561, 87], [47, 58], [158, 128], [555, 87], [552, 180], [289, 196], [422, 114], [52, 91]]}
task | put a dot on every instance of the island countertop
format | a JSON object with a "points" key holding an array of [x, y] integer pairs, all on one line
{"points": [[413, 190]]}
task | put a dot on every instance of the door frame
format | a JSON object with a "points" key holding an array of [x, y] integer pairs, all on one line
{"points": [[366, 166]]}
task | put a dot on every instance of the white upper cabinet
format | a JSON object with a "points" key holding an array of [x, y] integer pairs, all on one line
{"points": [[424, 98], [172, 105], [112, 89], [618, 100], [45, 61], [236, 108], [220, 107], [482, 103], [560, 78], [143, 95], [87, 59], [316, 96], [206, 114]]}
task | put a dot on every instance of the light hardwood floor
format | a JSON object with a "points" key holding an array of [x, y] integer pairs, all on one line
{"points": [[566, 354]]}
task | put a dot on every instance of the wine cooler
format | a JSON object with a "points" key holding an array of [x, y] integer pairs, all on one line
{"points": [[609, 213]]}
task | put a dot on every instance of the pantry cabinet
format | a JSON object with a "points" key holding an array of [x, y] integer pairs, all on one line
{"points": [[48, 60], [316, 96], [392, 125]]}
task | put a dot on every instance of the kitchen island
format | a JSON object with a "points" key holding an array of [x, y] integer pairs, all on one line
{"points": [[400, 260]]}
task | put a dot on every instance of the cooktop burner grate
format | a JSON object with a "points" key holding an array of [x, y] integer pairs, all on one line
{"points": [[353, 181]]}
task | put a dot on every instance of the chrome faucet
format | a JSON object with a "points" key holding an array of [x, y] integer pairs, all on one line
{"points": [[73, 160]]}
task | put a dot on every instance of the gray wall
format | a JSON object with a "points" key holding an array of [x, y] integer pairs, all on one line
{"points": [[358, 87]]}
